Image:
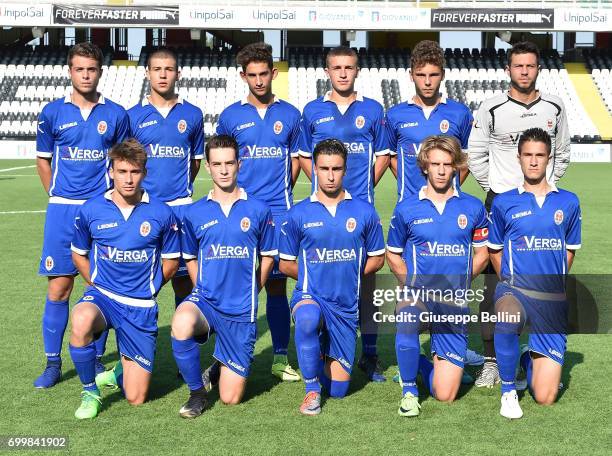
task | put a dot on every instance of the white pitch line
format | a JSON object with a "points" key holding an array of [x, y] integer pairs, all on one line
{"points": [[18, 167], [22, 212]]}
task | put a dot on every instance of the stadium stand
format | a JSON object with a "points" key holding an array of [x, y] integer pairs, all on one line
{"points": [[599, 62], [31, 77]]}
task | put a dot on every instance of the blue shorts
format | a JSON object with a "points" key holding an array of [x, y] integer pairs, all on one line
{"points": [[179, 213], [135, 327], [278, 223], [235, 340], [448, 339], [547, 321], [338, 334], [56, 258]]}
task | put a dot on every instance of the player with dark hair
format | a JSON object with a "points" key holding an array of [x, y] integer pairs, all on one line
{"points": [[358, 122], [427, 113], [436, 245], [535, 232], [126, 246], [172, 131], [492, 154], [227, 234], [328, 242], [267, 131], [73, 137]]}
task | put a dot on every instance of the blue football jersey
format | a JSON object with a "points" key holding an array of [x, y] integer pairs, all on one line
{"points": [[227, 249], [125, 254], [534, 239], [331, 250], [78, 148], [171, 143], [266, 148], [407, 127], [437, 247], [360, 128]]}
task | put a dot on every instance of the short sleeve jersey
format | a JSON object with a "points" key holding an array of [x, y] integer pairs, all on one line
{"points": [[79, 148]]}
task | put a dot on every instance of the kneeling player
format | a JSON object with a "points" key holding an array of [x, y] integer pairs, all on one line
{"points": [[431, 238], [136, 248], [225, 235], [327, 244], [535, 231]]}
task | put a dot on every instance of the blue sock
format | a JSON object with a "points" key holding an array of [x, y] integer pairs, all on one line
{"points": [[426, 370], [84, 359], [368, 344], [527, 365], [101, 344], [178, 300], [407, 349], [506, 340], [187, 357], [338, 389], [279, 322], [54, 322], [307, 318]]}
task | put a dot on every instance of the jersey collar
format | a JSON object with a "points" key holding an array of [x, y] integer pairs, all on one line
{"points": [[109, 196], [68, 98], [314, 199], [245, 100], [553, 188], [243, 195], [423, 196], [145, 100], [443, 100], [327, 96]]}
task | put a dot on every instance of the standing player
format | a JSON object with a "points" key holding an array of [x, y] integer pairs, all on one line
{"points": [[535, 232], [492, 154], [73, 138], [226, 234], [437, 243], [172, 132], [267, 131], [126, 246], [427, 113], [327, 243], [358, 122]]}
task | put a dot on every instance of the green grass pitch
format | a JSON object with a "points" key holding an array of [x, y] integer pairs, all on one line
{"points": [[366, 422]]}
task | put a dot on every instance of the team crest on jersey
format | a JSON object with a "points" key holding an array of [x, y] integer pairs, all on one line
{"points": [[549, 123], [444, 126], [558, 217], [462, 221], [278, 127], [359, 122], [245, 224], [102, 127], [145, 229], [182, 126], [49, 263], [351, 224]]}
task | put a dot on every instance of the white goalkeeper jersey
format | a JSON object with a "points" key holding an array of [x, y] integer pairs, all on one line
{"points": [[492, 147]]}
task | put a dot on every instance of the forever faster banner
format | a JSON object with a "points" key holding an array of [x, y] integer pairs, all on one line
{"points": [[119, 16]]}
